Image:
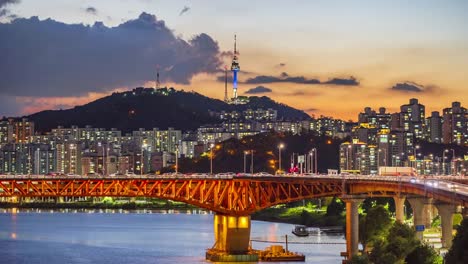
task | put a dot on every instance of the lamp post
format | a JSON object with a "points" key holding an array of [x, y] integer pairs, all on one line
{"points": [[141, 157], [415, 156], [251, 161], [245, 160], [311, 165], [314, 152], [452, 161], [280, 146], [443, 161], [177, 158], [103, 159], [348, 160], [211, 158]]}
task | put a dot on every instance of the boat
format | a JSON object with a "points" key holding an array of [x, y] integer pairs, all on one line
{"points": [[300, 230], [277, 253]]}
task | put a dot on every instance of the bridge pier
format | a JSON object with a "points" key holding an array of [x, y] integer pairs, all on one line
{"points": [[399, 208], [446, 212], [232, 239], [428, 212], [352, 225], [417, 204]]}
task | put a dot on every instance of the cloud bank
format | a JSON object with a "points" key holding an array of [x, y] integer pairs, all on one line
{"points": [[411, 87], [285, 78], [258, 90], [49, 58]]}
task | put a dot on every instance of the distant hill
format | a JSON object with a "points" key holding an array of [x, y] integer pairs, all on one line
{"points": [[147, 108]]}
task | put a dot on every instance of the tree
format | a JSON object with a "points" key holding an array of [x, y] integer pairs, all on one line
{"points": [[423, 254], [398, 244], [335, 208], [374, 225], [458, 253], [356, 259]]}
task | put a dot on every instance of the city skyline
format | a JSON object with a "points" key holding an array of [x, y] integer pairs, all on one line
{"points": [[323, 53]]}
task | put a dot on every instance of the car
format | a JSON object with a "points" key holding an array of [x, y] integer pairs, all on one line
{"points": [[432, 183], [262, 174]]}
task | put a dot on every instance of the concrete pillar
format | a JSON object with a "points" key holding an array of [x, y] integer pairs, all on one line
{"points": [[352, 225], [428, 213], [399, 208], [417, 204], [446, 212], [232, 233]]}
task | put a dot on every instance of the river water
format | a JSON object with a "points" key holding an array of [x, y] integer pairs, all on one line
{"points": [[122, 237]]}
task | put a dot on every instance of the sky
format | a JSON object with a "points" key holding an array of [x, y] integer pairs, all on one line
{"points": [[327, 57]]}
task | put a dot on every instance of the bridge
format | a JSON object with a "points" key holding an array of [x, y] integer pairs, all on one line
{"points": [[235, 197]]}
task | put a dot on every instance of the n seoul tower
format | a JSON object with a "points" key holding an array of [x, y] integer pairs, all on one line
{"points": [[234, 68]]}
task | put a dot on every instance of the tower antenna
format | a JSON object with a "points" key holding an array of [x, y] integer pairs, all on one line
{"points": [[235, 69], [157, 77], [235, 44]]}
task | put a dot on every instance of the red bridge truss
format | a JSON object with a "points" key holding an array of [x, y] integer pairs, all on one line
{"points": [[232, 196]]}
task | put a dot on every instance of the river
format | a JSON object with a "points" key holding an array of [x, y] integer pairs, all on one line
{"points": [[123, 237]]}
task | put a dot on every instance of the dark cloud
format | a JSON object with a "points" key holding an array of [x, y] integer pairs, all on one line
{"points": [[222, 78], [9, 106], [49, 58], [6, 2], [285, 77], [411, 87], [342, 81], [184, 10], [91, 10], [258, 90], [3, 3], [310, 110]]}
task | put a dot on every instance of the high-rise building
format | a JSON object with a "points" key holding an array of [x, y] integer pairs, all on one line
{"points": [[68, 158], [23, 130], [434, 128], [358, 157], [6, 132], [454, 127], [413, 117], [43, 159]]}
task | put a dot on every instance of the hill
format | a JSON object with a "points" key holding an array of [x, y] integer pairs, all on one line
{"points": [[148, 108]]}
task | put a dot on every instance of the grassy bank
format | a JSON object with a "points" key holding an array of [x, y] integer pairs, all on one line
{"points": [[300, 215]]}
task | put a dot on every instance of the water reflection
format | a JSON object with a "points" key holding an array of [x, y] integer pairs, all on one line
{"points": [[117, 236]]}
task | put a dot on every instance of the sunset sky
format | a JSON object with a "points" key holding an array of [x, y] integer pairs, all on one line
{"points": [[324, 57]]}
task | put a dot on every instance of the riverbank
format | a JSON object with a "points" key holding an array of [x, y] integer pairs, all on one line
{"points": [[155, 204], [297, 215]]}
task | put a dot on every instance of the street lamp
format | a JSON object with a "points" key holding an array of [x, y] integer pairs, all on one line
{"points": [[245, 160], [280, 146], [415, 156], [176, 158], [211, 158], [443, 161], [347, 157], [453, 160], [141, 157], [103, 159], [251, 161], [314, 152]]}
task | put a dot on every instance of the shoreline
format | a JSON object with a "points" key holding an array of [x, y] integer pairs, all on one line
{"points": [[292, 215]]}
